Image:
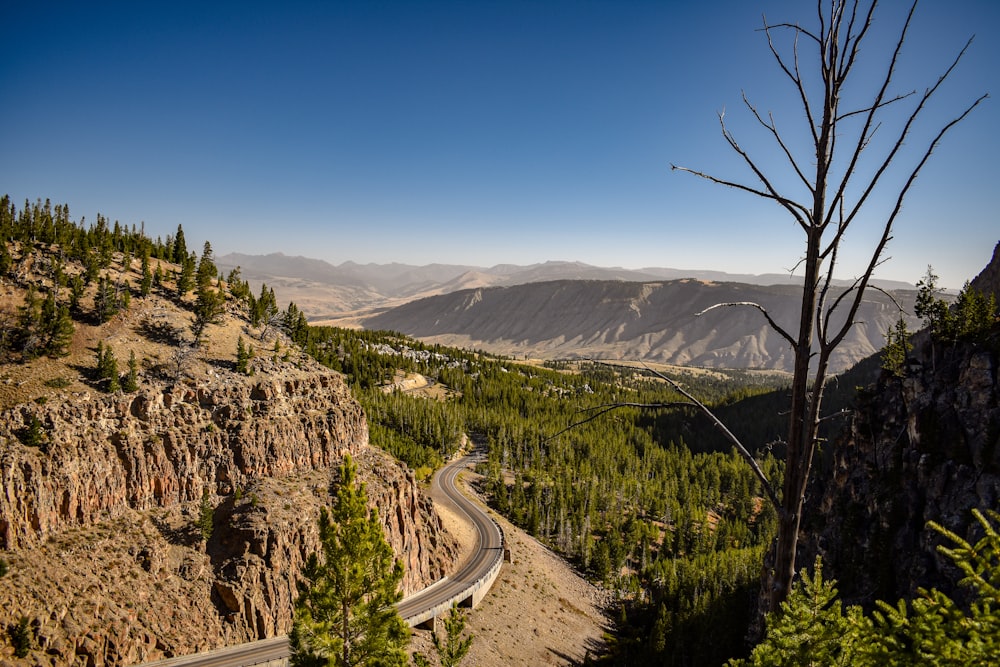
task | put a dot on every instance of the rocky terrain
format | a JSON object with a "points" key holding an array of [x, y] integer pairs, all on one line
{"points": [[98, 508], [924, 447]]}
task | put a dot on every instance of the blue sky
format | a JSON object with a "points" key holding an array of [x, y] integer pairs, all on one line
{"points": [[469, 132]]}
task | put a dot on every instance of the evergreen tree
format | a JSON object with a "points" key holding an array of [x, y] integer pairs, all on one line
{"points": [[243, 356], [897, 345], [454, 647], [131, 382], [179, 253], [30, 324], [206, 515], [146, 285], [206, 266], [34, 434], [107, 368], [811, 628], [105, 303], [75, 293], [345, 614], [60, 333], [207, 310], [186, 277], [6, 260], [975, 313]]}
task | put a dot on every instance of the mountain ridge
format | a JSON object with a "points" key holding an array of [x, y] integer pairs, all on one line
{"points": [[351, 286], [654, 321]]}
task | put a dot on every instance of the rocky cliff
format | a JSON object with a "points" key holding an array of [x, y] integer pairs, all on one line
{"points": [[924, 447], [97, 519], [164, 444]]}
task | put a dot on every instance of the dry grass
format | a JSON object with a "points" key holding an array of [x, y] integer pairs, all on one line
{"points": [[150, 328]]}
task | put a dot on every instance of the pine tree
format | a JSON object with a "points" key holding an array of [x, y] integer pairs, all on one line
{"points": [[107, 367], [186, 277], [146, 285], [179, 253], [206, 515], [6, 260], [454, 647], [105, 303], [207, 310], [243, 356], [811, 627], [897, 344], [206, 266], [131, 382], [345, 614], [30, 324]]}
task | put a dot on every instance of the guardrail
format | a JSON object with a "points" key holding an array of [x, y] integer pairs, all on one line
{"points": [[483, 584]]}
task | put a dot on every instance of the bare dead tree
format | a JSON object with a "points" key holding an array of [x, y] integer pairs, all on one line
{"points": [[838, 179]]}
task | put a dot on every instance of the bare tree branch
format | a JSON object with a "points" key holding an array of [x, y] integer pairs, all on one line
{"points": [[770, 126], [601, 410], [751, 461], [774, 325]]}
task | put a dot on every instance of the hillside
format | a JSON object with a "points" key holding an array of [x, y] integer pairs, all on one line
{"points": [[342, 294], [102, 487], [651, 321]]}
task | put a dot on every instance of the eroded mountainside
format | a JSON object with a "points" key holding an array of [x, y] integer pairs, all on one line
{"points": [[652, 321], [101, 491]]}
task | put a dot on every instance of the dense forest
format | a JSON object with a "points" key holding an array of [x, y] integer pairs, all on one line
{"points": [[675, 528]]}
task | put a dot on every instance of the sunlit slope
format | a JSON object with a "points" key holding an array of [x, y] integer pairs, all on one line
{"points": [[655, 321]]}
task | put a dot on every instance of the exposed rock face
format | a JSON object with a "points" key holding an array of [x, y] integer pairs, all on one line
{"points": [[99, 522], [163, 446], [257, 544], [988, 282], [924, 448]]}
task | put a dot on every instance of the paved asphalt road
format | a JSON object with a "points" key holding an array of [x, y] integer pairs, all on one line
{"points": [[489, 547]]}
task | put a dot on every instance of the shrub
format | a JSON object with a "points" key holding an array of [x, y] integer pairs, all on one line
{"points": [[20, 637]]}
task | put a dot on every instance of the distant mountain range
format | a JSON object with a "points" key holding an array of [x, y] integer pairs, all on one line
{"points": [[325, 291], [567, 309]]}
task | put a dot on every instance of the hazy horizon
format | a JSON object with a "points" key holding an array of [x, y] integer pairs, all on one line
{"points": [[472, 133]]}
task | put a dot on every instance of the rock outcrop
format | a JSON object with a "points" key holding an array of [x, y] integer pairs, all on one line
{"points": [[97, 520], [924, 447], [100, 455]]}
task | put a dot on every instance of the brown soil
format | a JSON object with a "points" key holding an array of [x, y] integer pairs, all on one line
{"points": [[540, 611]]}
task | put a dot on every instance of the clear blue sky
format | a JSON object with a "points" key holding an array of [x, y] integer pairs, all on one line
{"points": [[466, 132]]}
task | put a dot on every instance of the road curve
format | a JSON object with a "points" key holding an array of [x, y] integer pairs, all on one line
{"points": [[486, 559], [472, 578]]}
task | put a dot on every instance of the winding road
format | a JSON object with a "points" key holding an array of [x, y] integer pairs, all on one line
{"points": [[475, 576], [466, 586]]}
